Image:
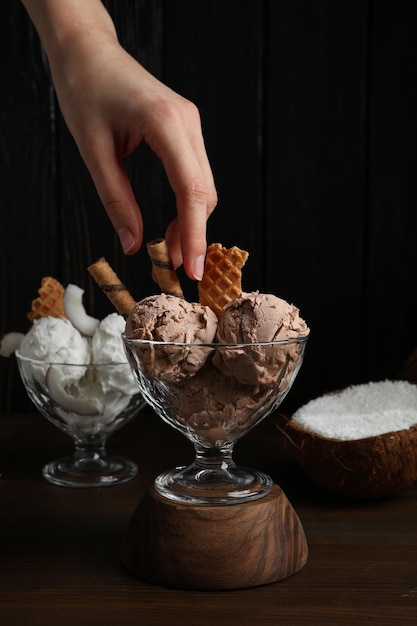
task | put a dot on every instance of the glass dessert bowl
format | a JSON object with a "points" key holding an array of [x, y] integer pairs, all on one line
{"points": [[88, 403], [214, 394]]}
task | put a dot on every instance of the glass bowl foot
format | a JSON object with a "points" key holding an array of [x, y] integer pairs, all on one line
{"points": [[99, 472], [202, 485]]}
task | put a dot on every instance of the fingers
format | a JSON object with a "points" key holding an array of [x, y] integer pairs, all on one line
{"points": [[116, 193], [181, 148], [186, 237], [172, 129], [195, 202]]}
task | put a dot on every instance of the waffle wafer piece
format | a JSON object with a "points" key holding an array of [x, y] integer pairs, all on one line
{"points": [[49, 300], [111, 285], [222, 279], [161, 262]]}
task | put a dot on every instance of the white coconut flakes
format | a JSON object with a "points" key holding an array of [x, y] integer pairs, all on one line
{"points": [[361, 411]]}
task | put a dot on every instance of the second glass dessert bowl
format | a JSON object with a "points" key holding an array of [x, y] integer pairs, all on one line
{"points": [[214, 394], [89, 403]]}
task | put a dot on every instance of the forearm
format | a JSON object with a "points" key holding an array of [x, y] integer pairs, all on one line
{"points": [[63, 24]]}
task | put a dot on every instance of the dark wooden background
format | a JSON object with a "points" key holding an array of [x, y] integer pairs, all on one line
{"points": [[309, 114]]}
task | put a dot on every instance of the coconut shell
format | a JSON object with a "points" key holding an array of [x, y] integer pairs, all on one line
{"points": [[373, 467], [409, 370]]}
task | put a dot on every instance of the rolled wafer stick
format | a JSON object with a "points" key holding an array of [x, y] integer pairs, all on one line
{"points": [[111, 285], [164, 270]]}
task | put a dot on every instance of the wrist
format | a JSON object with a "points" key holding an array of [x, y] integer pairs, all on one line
{"points": [[70, 24]]}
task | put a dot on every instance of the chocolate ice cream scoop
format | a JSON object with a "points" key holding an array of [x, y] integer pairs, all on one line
{"points": [[255, 318], [172, 321]]}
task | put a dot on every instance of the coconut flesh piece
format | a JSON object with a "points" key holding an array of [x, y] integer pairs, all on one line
{"points": [[10, 342], [55, 381], [360, 442], [75, 311]]}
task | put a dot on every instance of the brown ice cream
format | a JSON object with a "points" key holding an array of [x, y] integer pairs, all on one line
{"points": [[167, 318], [217, 408], [217, 390], [259, 317], [255, 318]]}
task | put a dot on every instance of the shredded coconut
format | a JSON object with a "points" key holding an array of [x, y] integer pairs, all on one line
{"points": [[361, 411]]}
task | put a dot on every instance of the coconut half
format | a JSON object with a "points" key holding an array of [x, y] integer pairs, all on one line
{"points": [[365, 467]]}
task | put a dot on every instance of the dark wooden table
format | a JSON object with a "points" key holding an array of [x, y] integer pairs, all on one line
{"points": [[60, 547]]}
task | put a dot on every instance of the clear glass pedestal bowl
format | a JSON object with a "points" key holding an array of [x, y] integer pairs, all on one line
{"points": [[214, 394], [88, 403]]}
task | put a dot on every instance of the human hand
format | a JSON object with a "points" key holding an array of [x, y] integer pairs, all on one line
{"points": [[111, 104]]}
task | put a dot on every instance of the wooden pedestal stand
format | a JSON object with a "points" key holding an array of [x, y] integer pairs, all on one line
{"points": [[210, 547]]}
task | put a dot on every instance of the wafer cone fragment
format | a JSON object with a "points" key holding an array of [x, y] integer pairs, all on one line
{"points": [[222, 279], [49, 301], [161, 262], [111, 285]]}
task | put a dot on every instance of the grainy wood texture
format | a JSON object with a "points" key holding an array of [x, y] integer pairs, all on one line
{"points": [[308, 111], [60, 548], [214, 547]]}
